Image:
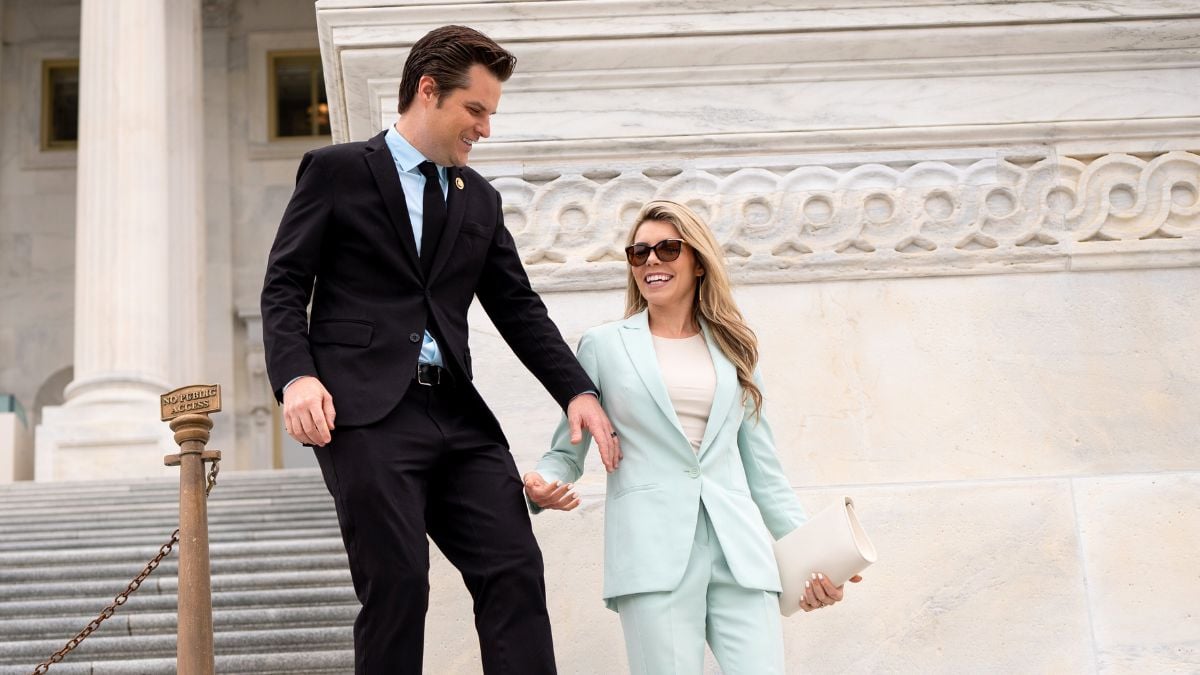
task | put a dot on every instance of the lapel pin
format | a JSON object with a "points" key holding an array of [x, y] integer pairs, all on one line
{"points": [[458, 182]]}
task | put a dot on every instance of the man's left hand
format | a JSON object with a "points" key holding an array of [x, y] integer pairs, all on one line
{"points": [[584, 412]]}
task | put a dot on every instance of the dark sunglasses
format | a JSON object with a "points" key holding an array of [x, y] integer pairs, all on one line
{"points": [[666, 250]]}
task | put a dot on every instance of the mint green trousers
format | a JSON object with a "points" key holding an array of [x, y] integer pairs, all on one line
{"points": [[665, 632]]}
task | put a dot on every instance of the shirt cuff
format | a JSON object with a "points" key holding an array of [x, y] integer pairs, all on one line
{"points": [[291, 381]]}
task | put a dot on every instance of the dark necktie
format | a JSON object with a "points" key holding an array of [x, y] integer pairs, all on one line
{"points": [[433, 213]]}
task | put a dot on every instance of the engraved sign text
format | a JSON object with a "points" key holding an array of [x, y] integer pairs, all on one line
{"points": [[198, 398]]}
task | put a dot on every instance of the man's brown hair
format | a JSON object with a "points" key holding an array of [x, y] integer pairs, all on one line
{"points": [[446, 54]]}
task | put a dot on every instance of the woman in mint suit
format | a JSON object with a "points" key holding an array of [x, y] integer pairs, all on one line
{"points": [[699, 490]]}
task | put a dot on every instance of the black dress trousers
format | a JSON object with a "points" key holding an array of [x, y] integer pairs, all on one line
{"points": [[431, 467]]}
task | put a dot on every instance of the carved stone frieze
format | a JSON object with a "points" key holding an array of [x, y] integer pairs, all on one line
{"points": [[915, 218]]}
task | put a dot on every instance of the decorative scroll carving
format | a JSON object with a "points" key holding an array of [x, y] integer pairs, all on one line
{"points": [[922, 218]]}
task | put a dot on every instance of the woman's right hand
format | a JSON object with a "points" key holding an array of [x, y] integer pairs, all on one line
{"points": [[557, 496], [820, 592]]}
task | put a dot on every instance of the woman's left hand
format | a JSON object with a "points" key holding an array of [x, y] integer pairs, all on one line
{"points": [[554, 495], [820, 592]]}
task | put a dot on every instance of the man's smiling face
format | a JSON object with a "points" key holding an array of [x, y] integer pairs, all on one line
{"points": [[460, 118]]}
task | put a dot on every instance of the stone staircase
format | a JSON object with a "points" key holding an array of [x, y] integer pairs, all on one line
{"points": [[282, 598]]}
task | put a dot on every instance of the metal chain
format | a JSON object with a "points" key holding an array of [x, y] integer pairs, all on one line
{"points": [[212, 476], [123, 596]]}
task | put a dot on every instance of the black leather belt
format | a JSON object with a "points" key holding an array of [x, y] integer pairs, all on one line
{"points": [[430, 375]]}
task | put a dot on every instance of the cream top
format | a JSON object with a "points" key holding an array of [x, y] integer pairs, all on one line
{"points": [[687, 370]]}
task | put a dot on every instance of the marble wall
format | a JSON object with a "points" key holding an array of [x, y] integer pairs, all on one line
{"points": [[968, 236], [1020, 447], [37, 204]]}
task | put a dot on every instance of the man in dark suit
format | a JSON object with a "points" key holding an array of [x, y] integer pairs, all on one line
{"points": [[391, 239]]}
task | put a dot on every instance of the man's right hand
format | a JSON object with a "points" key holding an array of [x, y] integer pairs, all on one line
{"points": [[308, 411]]}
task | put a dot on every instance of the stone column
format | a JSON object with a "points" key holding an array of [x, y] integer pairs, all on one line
{"points": [[185, 159], [138, 238], [220, 340]]}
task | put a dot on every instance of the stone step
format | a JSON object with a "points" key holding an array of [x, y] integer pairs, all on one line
{"points": [[231, 480], [169, 566], [141, 553], [15, 652], [114, 530], [135, 557], [217, 508], [329, 662], [235, 481], [222, 497], [154, 514], [158, 584], [11, 515], [283, 601], [156, 623], [88, 608], [267, 476], [69, 540]]}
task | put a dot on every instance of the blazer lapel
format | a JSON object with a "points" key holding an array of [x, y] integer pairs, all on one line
{"points": [[639, 345], [456, 207], [383, 168], [727, 388]]}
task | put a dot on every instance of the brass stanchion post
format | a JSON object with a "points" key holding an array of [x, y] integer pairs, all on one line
{"points": [[187, 410]]}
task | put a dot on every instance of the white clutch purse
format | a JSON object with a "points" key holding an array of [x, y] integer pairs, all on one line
{"points": [[832, 542]]}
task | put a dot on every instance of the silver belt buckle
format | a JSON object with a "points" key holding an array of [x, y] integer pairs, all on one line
{"points": [[423, 369]]}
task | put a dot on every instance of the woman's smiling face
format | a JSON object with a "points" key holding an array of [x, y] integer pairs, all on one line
{"points": [[666, 284]]}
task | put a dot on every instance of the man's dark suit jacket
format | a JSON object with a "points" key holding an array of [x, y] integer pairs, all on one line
{"points": [[347, 227]]}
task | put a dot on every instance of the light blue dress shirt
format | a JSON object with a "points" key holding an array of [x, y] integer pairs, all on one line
{"points": [[407, 158]]}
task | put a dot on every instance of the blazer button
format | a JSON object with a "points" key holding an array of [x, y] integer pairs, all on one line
{"points": [[694, 473], [414, 338]]}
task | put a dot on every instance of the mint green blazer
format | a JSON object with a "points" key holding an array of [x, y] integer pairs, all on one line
{"points": [[654, 496]]}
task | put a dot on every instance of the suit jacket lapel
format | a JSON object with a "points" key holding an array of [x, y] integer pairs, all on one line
{"points": [[383, 168], [456, 207], [639, 345], [727, 388]]}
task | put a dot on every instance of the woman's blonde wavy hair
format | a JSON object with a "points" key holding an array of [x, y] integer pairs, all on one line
{"points": [[714, 295]]}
